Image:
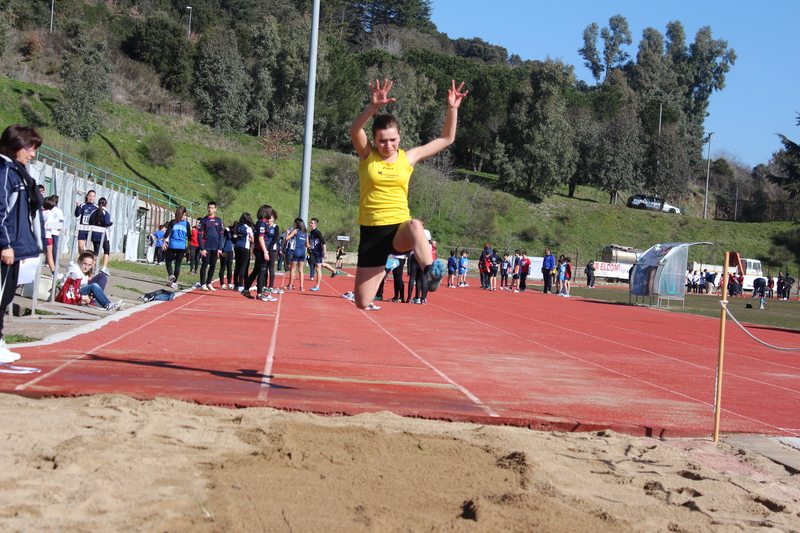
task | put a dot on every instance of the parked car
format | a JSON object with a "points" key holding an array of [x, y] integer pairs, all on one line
{"points": [[642, 201]]}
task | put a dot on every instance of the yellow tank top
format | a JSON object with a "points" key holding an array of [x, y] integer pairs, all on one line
{"points": [[384, 190]]}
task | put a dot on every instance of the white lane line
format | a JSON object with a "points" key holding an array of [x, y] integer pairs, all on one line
{"points": [[371, 381], [441, 374], [273, 341], [96, 348]]}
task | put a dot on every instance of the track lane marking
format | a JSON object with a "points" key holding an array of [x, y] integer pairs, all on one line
{"points": [[23, 386]]}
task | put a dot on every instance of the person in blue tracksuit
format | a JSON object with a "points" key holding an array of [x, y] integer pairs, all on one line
{"points": [[102, 218], [83, 211], [21, 226], [242, 243], [175, 242], [210, 240], [226, 259]]}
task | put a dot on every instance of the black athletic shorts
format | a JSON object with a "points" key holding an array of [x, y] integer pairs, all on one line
{"points": [[376, 245]]}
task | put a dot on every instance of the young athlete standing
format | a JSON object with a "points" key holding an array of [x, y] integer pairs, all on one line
{"points": [[174, 245], [265, 215], [83, 211], [463, 266], [296, 246], [384, 172], [212, 231]]}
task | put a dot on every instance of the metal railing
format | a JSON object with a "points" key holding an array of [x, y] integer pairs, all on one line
{"points": [[82, 169]]}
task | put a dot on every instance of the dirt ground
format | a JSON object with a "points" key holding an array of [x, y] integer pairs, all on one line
{"points": [[112, 463]]}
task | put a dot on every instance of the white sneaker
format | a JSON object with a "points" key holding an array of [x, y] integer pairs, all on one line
{"points": [[223, 287], [268, 298], [174, 285], [6, 355], [204, 287], [240, 288], [211, 288]]}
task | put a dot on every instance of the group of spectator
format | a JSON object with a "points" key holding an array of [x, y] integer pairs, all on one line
{"points": [[210, 242]]}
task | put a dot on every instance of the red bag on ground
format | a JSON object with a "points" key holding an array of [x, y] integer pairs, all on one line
{"points": [[70, 292]]}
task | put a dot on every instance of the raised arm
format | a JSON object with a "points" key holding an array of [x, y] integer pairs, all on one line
{"points": [[379, 98], [448, 136]]}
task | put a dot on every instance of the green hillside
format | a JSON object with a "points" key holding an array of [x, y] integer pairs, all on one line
{"points": [[460, 208]]}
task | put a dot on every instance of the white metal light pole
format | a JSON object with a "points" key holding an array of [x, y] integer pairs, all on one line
{"points": [[708, 175], [189, 34], [52, 8], [305, 182]]}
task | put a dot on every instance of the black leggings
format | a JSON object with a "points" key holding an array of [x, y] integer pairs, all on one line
{"points": [[416, 276], [209, 265], [259, 272], [397, 274], [226, 263], [242, 264], [273, 258], [9, 275], [176, 255]]}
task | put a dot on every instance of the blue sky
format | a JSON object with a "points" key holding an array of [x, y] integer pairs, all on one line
{"points": [[762, 93]]}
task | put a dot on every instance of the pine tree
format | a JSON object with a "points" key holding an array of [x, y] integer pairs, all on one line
{"points": [[86, 83]]}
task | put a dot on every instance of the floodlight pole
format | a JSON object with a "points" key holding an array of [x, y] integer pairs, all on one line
{"points": [[708, 175], [308, 136], [52, 8], [189, 33]]}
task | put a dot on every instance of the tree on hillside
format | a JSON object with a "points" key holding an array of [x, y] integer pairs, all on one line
{"points": [[700, 70], [587, 141], [221, 83], [619, 159], [614, 36], [789, 162], [288, 105], [161, 42], [478, 49], [589, 52], [666, 165], [85, 72], [265, 44], [540, 150]]}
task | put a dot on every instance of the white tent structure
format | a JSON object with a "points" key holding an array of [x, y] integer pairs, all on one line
{"points": [[660, 273]]}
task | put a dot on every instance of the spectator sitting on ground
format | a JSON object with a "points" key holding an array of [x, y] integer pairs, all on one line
{"points": [[90, 288]]}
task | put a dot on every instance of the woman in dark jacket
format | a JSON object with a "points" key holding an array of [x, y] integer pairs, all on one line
{"points": [[21, 226]]}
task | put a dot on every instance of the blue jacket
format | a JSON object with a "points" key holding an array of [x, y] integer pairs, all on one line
{"points": [[212, 232], [100, 217], [21, 226], [549, 262]]}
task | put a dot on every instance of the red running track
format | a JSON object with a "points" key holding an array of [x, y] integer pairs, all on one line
{"points": [[542, 361]]}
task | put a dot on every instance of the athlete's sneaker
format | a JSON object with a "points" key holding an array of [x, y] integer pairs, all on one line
{"points": [[112, 307], [174, 285], [268, 298], [314, 288], [240, 288], [105, 271], [334, 273], [379, 298], [435, 274], [515, 290], [6, 355], [223, 287], [277, 291], [170, 281], [247, 295], [204, 288], [371, 307], [349, 295], [211, 288], [424, 301]]}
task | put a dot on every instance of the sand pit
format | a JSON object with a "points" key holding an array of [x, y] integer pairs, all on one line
{"points": [[111, 463]]}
